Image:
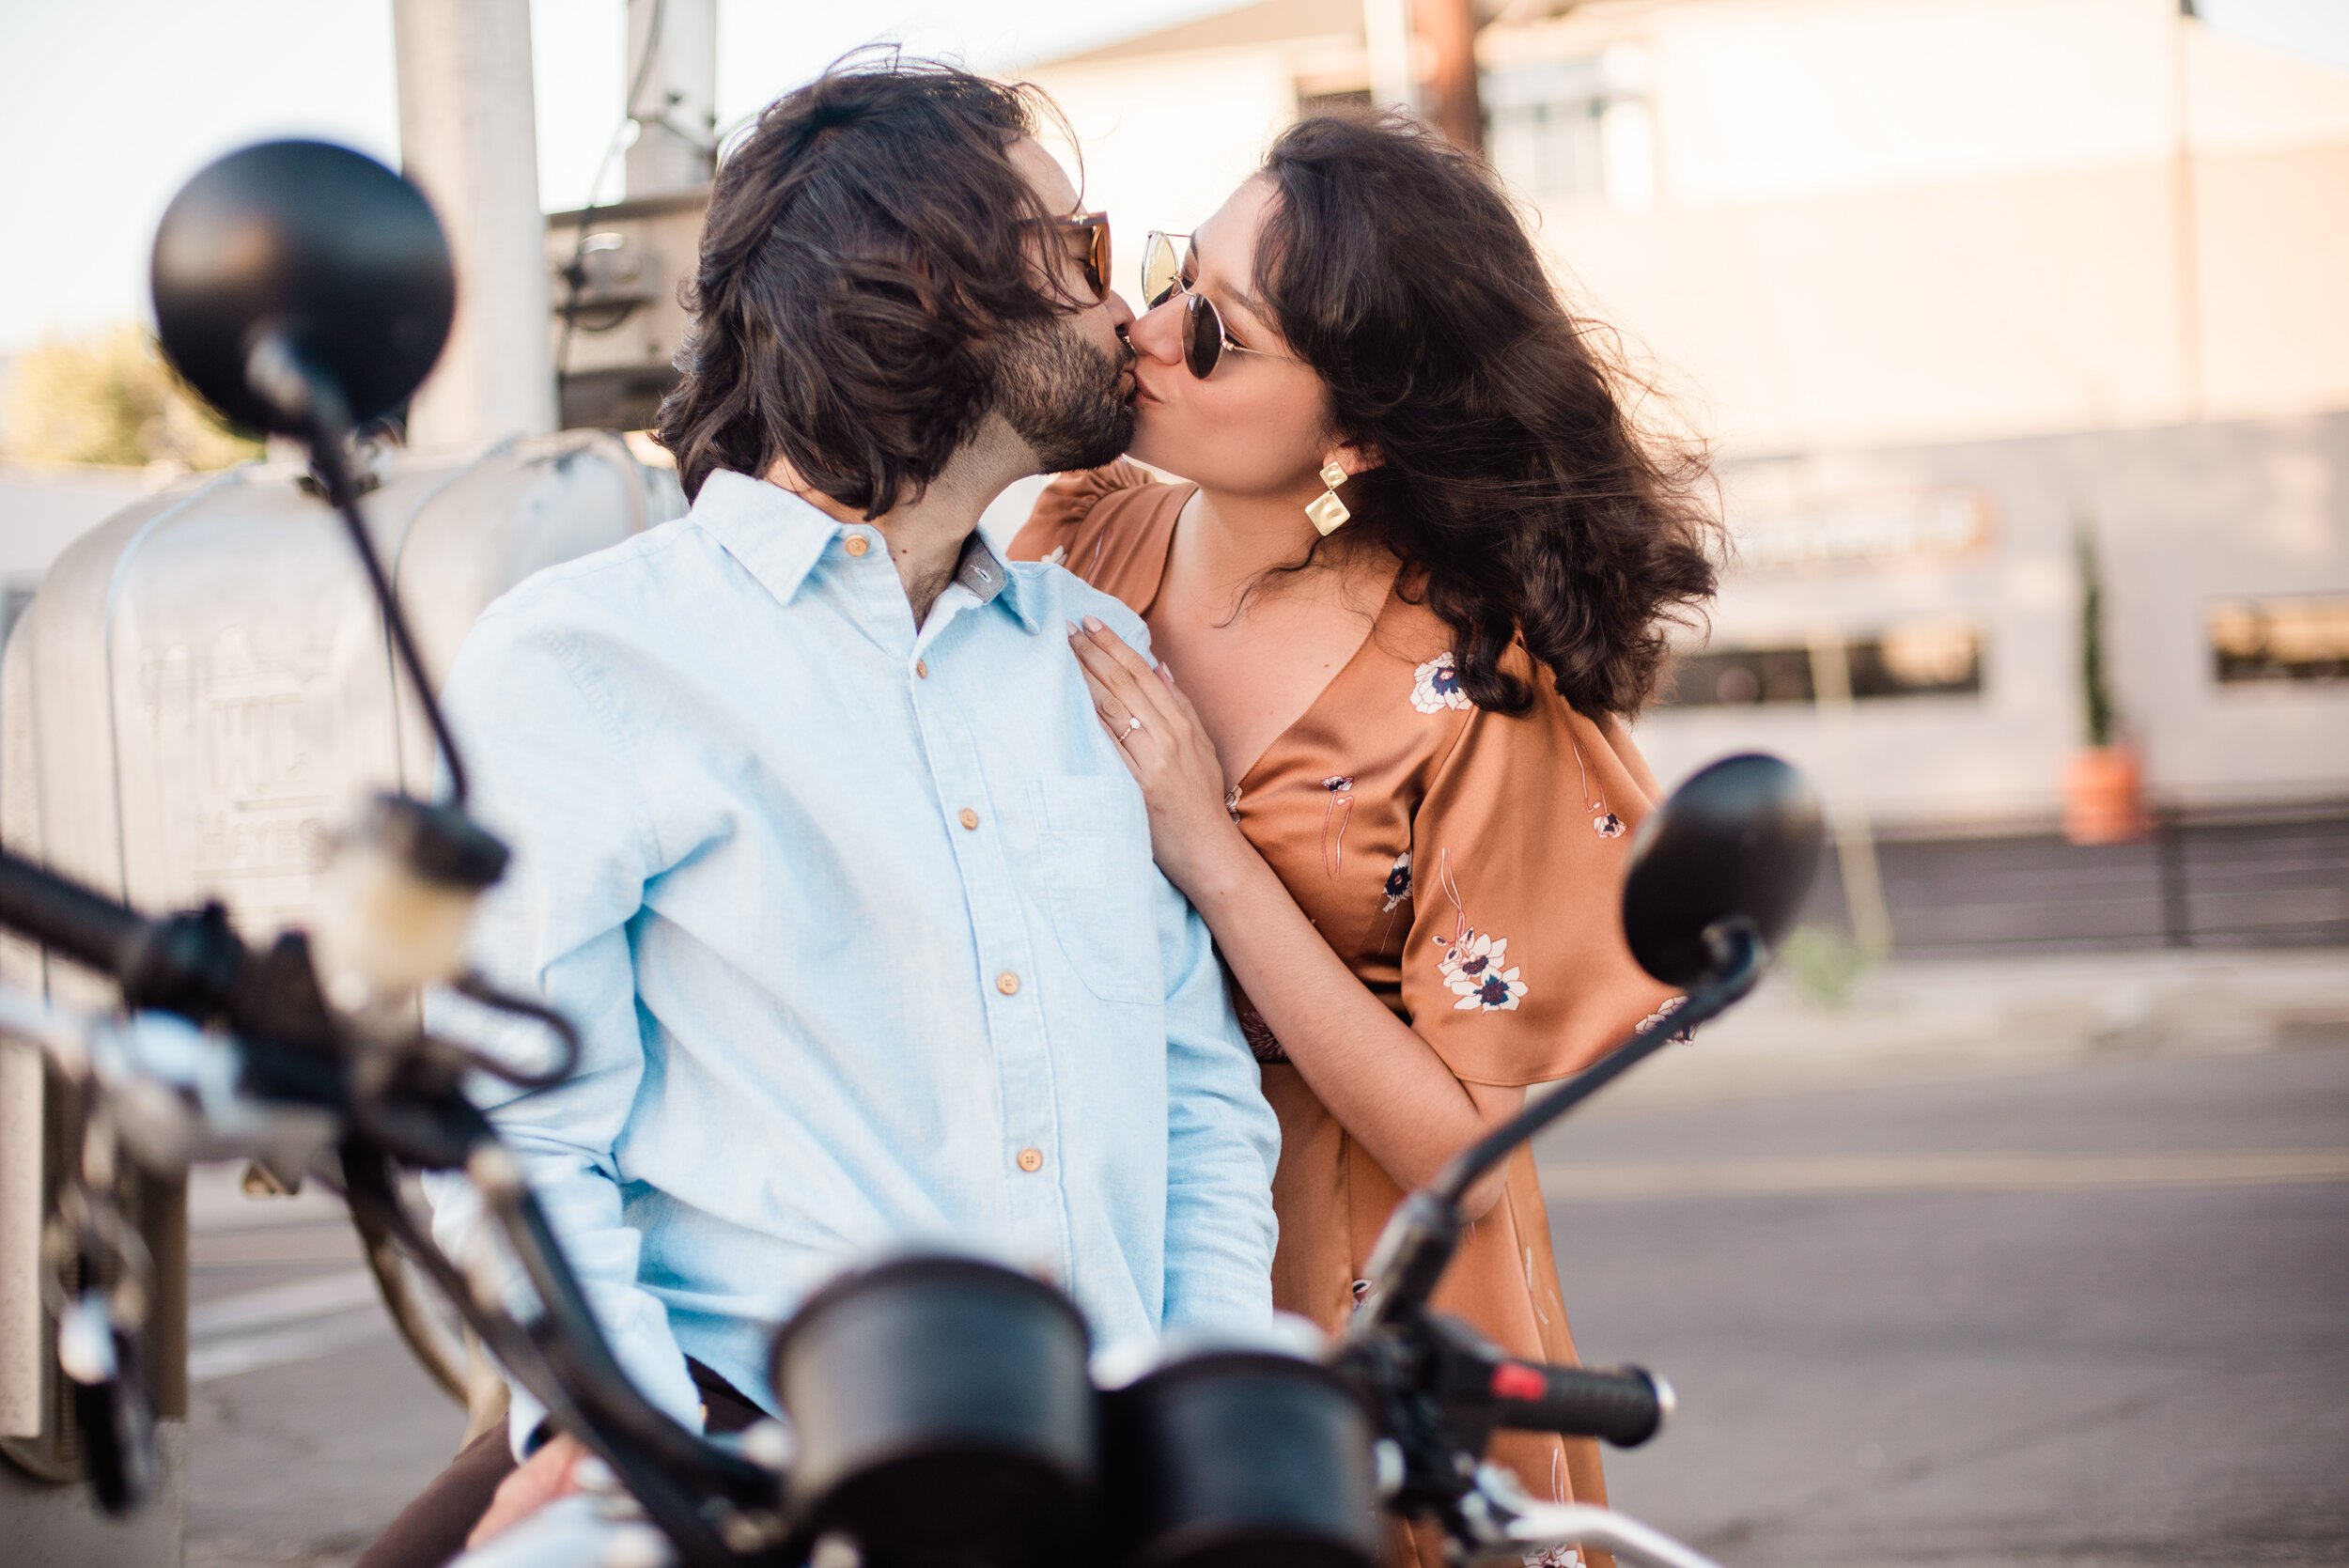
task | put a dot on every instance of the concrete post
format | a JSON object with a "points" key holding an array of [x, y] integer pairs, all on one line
{"points": [[1387, 35], [469, 137], [675, 109]]}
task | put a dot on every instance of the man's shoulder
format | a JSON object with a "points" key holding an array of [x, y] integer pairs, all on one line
{"points": [[626, 607], [1062, 594], [613, 576]]}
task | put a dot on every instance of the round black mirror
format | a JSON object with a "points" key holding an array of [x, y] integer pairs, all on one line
{"points": [[319, 245], [942, 1415], [1238, 1458], [1740, 838]]}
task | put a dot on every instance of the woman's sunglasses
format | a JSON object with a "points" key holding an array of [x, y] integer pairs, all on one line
{"points": [[1089, 234], [1204, 341]]}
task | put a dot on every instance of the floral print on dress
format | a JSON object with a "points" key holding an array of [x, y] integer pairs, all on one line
{"points": [[1670, 1006], [1435, 686], [1057, 556], [1398, 883], [1475, 964], [1262, 1043], [1477, 971], [1333, 821]]}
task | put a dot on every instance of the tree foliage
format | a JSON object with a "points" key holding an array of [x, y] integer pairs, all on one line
{"points": [[110, 398]]}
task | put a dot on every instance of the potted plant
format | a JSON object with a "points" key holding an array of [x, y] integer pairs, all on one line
{"points": [[2103, 786]]}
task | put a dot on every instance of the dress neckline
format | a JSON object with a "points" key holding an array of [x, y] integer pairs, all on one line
{"points": [[1337, 677]]}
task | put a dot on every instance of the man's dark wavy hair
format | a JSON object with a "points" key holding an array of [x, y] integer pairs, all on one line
{"points": [[1513, 476], [865, 252]]}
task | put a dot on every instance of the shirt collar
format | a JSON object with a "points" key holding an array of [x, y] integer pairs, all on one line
{"points": [[988, 577], [779, 537]]}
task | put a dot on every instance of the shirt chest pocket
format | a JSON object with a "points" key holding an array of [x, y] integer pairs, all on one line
{"points": [[1093, 841]]}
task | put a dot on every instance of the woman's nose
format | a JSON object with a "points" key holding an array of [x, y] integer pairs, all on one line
{"points": [[1155, 331]]}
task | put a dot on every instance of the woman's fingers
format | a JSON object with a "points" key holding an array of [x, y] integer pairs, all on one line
{"points": [[1134, 694], [1181, 699], [1113, 712], [1156, 695], [1119, 649]]}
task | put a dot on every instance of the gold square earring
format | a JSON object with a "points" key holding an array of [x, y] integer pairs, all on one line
{"points": [[1326, 510]]}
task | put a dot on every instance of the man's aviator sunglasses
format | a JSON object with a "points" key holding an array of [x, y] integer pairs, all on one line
{"points": [[1090, 235], [1204, 341]]}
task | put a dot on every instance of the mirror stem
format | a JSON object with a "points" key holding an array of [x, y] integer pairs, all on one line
{"points": [[279, 371], [1419, 1241]]}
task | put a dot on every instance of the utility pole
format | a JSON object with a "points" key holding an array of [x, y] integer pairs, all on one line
{"points": [[673, 78], [468, 135], [1448, 27]]}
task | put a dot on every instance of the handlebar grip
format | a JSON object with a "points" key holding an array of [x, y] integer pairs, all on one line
{"points": [[79, 923], [1624, 1407]]}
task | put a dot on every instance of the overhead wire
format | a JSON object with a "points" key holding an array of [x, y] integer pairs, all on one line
{"points": [[575, 275]]}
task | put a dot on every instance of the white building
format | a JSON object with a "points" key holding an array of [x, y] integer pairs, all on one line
{"points": [[1944, 280]]}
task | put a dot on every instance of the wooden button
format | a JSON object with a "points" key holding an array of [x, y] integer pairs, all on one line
{"points": [[858, 544], [968, 817], [1007, 983], [1032, 1160], [922, 668]]}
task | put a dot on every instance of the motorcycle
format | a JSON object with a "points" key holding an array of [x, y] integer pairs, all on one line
{"points": [[939, 1411]]}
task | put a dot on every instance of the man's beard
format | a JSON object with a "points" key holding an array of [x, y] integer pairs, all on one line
{"points": [[1065, 397]]}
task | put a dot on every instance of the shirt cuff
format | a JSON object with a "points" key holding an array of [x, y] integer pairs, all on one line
{"points": [[653, 1364]]}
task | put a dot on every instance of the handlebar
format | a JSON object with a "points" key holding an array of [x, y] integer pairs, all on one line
{"points": [[1625, 1407], [83, 924]]}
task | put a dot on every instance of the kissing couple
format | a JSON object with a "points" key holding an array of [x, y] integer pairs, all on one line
{"points": [[1151, 899]]}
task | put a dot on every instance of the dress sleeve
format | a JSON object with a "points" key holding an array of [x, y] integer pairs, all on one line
{"points": [[1063, 519], [1515, 969]]}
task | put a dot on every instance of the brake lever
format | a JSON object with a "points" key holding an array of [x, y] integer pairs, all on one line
{"points": [[475, 987]]}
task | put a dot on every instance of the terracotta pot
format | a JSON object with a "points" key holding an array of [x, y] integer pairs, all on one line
{"points": [[2104, 796]]}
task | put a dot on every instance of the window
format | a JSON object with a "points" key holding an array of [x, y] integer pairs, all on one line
{"points": [[1574, 128], [1310, 102], [2304, 638], [1926, 659]]}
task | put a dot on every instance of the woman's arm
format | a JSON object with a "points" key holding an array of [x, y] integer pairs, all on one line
{"points": [[1386, 1085]]}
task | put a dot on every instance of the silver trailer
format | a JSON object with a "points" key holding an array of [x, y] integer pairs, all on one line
{"points": [[198, 694]]}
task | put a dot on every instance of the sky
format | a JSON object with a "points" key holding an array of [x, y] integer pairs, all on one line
{"points": [[107, 106]]}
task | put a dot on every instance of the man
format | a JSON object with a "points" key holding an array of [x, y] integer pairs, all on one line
{"points": [[818, 839]]}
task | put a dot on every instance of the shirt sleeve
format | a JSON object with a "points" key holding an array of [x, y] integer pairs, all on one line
{"points": [[552, 774], [1222, 1141], [1515, 969], [1223, 1137], [1061, 527]]}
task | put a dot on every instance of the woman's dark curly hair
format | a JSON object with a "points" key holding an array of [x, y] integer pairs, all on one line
{"points": [[1511, 475], [865, 251]]}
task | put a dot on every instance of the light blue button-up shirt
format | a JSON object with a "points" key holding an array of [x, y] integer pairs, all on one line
{"points": [[860, 925]]}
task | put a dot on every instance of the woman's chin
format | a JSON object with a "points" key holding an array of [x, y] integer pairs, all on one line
{"points": [[1153, 443]]}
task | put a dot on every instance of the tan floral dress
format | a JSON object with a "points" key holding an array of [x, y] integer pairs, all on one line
{"points": [[1468, 867]]}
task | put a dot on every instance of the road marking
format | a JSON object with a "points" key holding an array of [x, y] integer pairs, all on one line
{"points": [[297, 1322], [287, 1303], [277, 1348], [1977, 1172], [257, 1249]]}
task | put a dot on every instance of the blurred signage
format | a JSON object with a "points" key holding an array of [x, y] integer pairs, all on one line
{"points": [[1881, 527]]}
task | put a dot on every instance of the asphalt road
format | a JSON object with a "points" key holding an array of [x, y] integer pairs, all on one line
{"points": [[2095, 1316], [2092, 1315]]}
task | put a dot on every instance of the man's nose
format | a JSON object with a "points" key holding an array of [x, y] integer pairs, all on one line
{"points": [[1121, 313]]}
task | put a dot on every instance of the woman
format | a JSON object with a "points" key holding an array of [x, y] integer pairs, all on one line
{"points": [[1418, 577]]}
